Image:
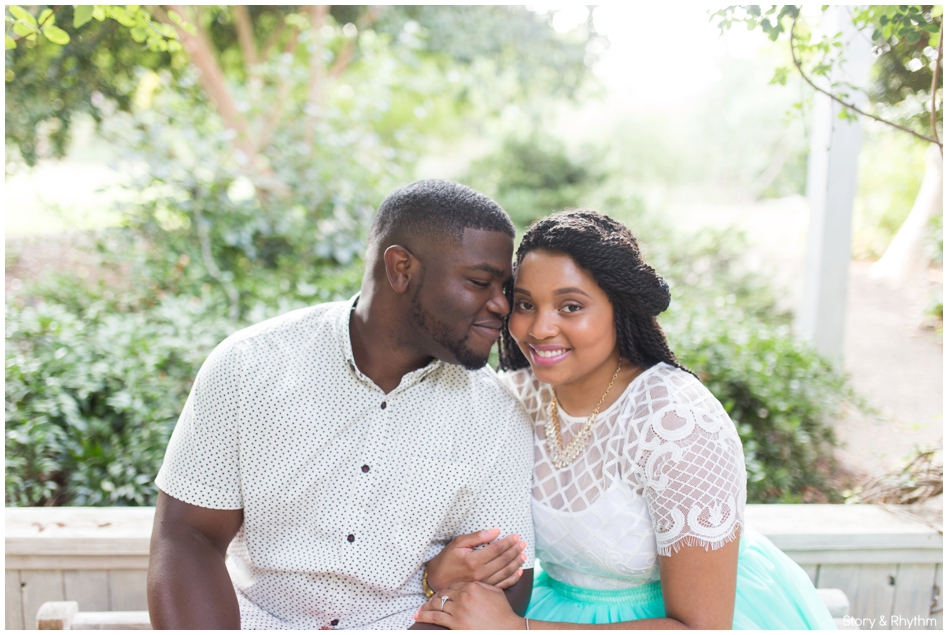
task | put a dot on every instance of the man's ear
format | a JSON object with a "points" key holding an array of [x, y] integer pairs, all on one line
{"points": [[400, 266]]}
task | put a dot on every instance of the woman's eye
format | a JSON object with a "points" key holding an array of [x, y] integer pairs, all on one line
{"points": [[523, 306], [572, 308]]}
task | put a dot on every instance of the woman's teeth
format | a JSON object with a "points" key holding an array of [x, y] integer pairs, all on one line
{"points": [[550, 353]]}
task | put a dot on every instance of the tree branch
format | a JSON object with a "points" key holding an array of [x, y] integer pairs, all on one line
{"points": [[317, 18], [796, 62], [38, 26], [198, 48], [941, 35], [344, 58], [245, 38]]}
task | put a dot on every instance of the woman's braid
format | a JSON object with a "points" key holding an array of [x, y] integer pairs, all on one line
{"points": [[607, 250]]}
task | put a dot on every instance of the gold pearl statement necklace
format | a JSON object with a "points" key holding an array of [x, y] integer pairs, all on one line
{"points": [[560, 456]]}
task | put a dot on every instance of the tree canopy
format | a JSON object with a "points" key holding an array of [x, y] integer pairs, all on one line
{"points": [[907, 41]]}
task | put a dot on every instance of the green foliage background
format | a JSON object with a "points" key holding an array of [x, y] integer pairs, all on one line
{"points": [[98, 368]]}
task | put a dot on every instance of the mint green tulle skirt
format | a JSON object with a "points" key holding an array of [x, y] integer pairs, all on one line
{"points": [[773, 592]]}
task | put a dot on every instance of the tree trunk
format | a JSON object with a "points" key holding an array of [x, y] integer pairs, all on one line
{"points": [[904, 260]]}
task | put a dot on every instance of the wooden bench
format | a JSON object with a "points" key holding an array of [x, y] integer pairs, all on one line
{"points": [[65, 616], [884, 563]]}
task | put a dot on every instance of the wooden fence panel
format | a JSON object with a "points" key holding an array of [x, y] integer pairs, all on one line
{"points": [[38, 586], [89, 588], [127, 588], [938, 599], [13, 605], [870, 587]]}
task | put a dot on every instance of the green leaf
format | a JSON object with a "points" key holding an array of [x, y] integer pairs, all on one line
{"points": [[22, 29], [780, 76], [82, 14], [913, 37], [56, 35], [187, 26], [98, 13], [139, 34], [46, 17], [21, 14], [175, 17], [10, 43]]}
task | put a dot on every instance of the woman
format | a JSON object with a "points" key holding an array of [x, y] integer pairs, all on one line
{"points": [[639, 485]]}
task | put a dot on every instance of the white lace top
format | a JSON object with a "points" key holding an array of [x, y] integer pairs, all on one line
{"points": [[663, 468]]}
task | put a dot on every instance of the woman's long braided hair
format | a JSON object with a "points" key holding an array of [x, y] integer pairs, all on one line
{"points": [[607, 250]]}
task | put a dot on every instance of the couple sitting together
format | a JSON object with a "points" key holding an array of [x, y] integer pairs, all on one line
{"points": [[358, 465]]}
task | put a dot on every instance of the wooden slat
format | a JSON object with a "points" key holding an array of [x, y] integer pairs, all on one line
{"points": [[78, 530], [112, 620], [39, 587], [939, 599], [839, 527], [127, 590], [13, 616], [76, 562], [926, 555], [868, 586], [911, 607], [89, 588]]}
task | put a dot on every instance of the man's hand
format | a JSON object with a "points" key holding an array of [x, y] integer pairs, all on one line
{"points": [[188, 584], [497, 564]]}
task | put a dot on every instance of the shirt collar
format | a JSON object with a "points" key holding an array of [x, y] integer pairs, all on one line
{"points": [[408, 379]]}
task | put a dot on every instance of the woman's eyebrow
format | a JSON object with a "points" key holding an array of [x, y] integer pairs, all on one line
{"points": [[521, 290], [566, 290]]}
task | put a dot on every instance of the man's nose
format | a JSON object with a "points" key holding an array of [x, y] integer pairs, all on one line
{"points": [[498, 304]]}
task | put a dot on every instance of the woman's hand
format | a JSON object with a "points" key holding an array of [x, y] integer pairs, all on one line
{"points": [[497, 564], [470, 605]]}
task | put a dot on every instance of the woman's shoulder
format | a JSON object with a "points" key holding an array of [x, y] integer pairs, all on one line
{"points": [[524, 387], [674, 386], [663, 390]]}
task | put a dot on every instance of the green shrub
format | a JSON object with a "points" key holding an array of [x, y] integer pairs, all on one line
{"points": [[96, 376]]}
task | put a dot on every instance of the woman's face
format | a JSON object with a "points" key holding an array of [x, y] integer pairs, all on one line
{"points": [[562, 320]]}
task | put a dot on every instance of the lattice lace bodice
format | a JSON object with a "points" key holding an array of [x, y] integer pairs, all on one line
{"points": [[663, 468]]}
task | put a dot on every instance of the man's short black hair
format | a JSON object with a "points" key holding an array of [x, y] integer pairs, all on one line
{"points": [[435, 209]]}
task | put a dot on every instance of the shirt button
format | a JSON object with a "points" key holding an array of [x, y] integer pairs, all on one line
{"points": [[335, 623], [351, 538], [365, 468], [384, 405]]}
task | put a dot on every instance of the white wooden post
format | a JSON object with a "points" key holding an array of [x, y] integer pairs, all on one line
{"points": [[831, 189]]}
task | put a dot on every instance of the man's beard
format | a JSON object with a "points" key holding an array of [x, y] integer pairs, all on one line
{"points": [[441, 333]]}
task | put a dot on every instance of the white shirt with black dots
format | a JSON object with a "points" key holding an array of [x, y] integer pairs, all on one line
{"points": [[346, 491]]}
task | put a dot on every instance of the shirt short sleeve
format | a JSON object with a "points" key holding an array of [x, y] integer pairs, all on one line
{"points": [[691, 466], [504, 498], [201, 464]]}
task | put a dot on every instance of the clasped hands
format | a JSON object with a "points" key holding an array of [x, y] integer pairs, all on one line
{"points": [[473, 580]]}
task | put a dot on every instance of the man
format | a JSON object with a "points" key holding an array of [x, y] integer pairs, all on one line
{"points": [[337, 448]]}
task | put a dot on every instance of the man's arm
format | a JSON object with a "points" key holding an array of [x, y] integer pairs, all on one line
{"points": [[519, 594], [188, 584]]}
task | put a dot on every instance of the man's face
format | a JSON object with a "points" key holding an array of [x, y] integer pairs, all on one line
{"points": [[459, 304]]}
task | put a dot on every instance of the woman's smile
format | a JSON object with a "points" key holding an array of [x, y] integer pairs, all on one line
{"points": [[547, 355]]}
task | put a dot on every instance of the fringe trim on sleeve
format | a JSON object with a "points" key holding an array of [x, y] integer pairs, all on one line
{"points": [[693, 541]]}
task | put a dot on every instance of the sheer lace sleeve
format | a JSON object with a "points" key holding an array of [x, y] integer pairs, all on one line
{"points": [[525, 388], [689, 463]]}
